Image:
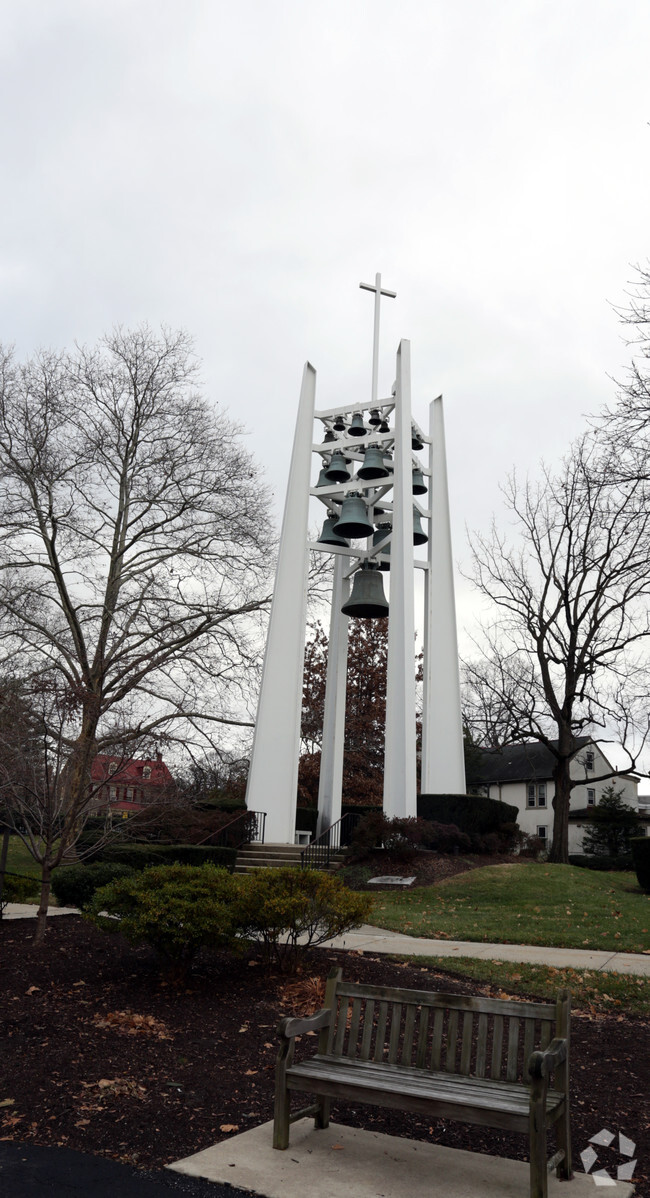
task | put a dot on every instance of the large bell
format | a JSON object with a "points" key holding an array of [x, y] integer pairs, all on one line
{"points": [[373, 465], [329, 537], [419, 486], [374, 417], [353, 521], [380, 535], [339, 424], [384, 427], [338, 470], [323, 480], [357, 427], [419, 535], [416, 443], [388, 461], [329, 435], [367, 598]]}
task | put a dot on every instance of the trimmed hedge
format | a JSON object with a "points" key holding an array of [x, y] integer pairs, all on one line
{"points": [[602, 862], [75, 885], [473, 814], [306, 819], [138, 856], [640, 846]]}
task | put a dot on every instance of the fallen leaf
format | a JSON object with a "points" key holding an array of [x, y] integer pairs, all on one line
{"points": [[229, 1127], [336, 1147], [32, 989], [8, 1102], [82, 1123], [244, 1028], [249, 1073]]}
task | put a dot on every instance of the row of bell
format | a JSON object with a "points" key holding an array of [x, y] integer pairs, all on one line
{"points": [[358, 429], [353, 524], [376, 465]]}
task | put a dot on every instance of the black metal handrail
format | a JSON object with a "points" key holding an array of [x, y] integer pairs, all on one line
{"points": [[252, 826], [317, 854]]}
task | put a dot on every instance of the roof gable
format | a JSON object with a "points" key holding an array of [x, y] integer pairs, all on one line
{"points": [[529, 761]]}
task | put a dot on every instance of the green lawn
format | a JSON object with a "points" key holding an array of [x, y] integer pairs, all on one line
{"points": [[526, 903], [590, 991], [20, 861]]}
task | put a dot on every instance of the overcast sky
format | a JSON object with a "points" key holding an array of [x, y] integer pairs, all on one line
{"points": [[238, 168]]}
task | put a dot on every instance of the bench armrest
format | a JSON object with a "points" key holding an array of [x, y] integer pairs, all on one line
{"points": [[544, 1064], [289, 1028]]}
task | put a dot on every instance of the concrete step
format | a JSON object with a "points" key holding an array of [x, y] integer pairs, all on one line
{"points": [[274, 856]]}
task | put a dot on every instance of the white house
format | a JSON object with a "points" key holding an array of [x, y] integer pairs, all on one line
{"points": [[522, 776]]}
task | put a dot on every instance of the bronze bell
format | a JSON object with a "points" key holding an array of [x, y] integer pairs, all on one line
{"points": [[419, 535], [329, 435], [357, 427], [388, 461], [367, 599], [339, 424], [374, 418], [380, 535], [338, 470], [416, 443], [329, 537], [353, 521], [373, 465], [323, 480], [383, 427], [419, 486]]}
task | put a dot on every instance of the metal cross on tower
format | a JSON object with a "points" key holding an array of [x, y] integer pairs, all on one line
{"points": [[377, 288]]}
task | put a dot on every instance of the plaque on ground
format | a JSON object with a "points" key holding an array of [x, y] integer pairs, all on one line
{"points": [[390, 880]]}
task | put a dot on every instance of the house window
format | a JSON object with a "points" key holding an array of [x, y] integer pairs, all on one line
{"points": [[536, 794], [589, 759], [542, 831], [146, 771], [112, 766], [129, 793], [112, 792], [591, 796]]}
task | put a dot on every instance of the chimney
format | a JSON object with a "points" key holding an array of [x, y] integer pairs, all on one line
{"points": [[158, 755]]}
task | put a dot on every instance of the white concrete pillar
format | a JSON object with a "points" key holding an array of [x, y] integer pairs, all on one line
{"points": [[400, 781], [330, 784], [273, 776], [443, 761]]}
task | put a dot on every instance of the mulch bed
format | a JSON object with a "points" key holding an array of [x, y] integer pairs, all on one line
{"points": [[98, 1054]]}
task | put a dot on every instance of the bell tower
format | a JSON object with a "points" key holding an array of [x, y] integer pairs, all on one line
{"points": [[372, 486]]}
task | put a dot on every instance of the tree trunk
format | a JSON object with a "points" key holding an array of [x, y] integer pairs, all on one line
{"points": [[41, 918], [559, 853]]}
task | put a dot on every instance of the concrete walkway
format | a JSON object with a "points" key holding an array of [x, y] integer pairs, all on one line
{"points": [[369, 939]]}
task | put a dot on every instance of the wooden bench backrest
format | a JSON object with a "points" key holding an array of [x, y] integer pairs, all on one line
{"points": [[456, 1033]]}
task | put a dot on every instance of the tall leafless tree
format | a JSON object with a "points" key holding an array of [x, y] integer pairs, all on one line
{"points": [[566, 652], [134, 551]]}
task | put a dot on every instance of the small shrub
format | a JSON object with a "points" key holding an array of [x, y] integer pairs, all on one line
{"points": [[20, 890], [447, 838], [474, 814], [355, 876], [176, 909], [75, 885], [139, 856], [277, 907], [640, 846], [369, 834], [604, 864]]}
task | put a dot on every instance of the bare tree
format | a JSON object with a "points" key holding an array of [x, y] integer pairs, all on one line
{"points": [[565, 654], [133, 550]]}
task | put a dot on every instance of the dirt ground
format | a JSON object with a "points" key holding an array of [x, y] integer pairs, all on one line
{"points": [[99, 1054]]}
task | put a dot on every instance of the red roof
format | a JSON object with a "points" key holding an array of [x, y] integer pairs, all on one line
{"points": [[129, 771]]}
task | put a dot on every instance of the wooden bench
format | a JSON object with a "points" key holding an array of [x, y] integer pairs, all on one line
{"points": [[480, 1060]]}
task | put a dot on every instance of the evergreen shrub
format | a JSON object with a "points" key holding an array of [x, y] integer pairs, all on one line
{"points": [[473, 814], [602, 863], [640, 846], [75, 885], [139, 856], [17, 889]]}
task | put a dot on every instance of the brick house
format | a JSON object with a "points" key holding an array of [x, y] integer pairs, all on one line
{"points": [[128, 785]]}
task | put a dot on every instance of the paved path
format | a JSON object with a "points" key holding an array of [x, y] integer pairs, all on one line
{"points": [[378, 940]]}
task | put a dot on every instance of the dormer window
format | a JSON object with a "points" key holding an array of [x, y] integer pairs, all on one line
{"points": [[589, 759], [146, 771], [112, 766]]}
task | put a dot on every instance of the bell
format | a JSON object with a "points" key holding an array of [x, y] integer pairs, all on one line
{"points": [[388, 461], [416, 443], [374, 418], [357, 427], [380, 534], [323, 480], [339, 424], [373, 465], [419, 535], [383, 427], [329, 537], [367, 598], [353, 521], [329, 435], [338, 470], [419, 487]]}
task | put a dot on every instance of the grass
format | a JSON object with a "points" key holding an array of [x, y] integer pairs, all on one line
{"points": [[591, 992], [20, 861], [526, 903]]}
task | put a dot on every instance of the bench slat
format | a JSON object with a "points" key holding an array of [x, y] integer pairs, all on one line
{"points": [[529, 1043], [481, 1047], [354, 1028], [409, 1027], [368, 1021], [381, 1031], [436, 1047], [497, 1047], [423, 1029], [341, 1026], [395, 1027], [452, 1036], [513, 1048], [466, 1049], [462, 1002]]}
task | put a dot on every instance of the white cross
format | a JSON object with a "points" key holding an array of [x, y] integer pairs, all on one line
{"points": [[377, 288]]}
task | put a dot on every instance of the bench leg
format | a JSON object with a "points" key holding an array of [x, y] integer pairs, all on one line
{"points": [[565, 1168], [538, 1171], [281, 1118], [322, 1119]]}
